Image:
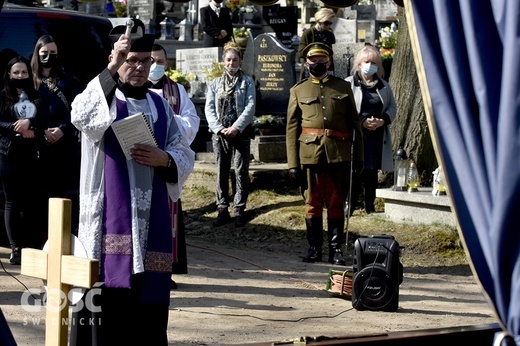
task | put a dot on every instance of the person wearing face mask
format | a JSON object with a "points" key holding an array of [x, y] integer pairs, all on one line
{"points": [[184, 109], [229, 109], [62, 155], [377, 109], [320, 32], [322, 128], [215, 20], [188, 121], [23, 117]]}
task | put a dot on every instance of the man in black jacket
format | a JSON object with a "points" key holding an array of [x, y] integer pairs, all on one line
{"points": [[216, 23]]}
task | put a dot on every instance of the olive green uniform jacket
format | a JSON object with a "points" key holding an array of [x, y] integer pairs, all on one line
{"points": [[322, 105]]}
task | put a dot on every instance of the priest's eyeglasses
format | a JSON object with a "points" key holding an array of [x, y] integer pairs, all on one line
{"points": [[134, 61]]}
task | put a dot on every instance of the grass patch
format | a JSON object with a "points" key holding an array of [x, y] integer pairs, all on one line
{"points": [[278, 218]]}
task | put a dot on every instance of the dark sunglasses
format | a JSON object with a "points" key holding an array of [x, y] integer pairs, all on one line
{"points": [[327, 23]]}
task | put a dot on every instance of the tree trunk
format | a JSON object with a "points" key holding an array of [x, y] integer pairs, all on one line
{"points": [[410, 128]]}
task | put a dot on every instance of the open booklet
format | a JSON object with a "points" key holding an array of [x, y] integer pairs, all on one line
{"points": [[132, 130]]}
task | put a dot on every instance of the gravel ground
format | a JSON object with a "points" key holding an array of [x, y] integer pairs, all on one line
{"points": [[238, 295]]}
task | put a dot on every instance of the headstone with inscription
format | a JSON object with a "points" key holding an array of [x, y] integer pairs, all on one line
{"points": [[283, 20], [274, 74], [141, 9], [345, 30], [196, 61]]}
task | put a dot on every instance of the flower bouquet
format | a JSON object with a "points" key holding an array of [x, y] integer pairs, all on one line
{"points": [[178, 77], [233, 5], [248, 9], [240, 32], [387, 42], [215, 71]]}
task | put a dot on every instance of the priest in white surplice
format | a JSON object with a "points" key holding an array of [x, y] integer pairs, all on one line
{"points": [[124, 212]]}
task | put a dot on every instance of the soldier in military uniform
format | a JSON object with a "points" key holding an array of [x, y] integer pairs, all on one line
{"points": [[322, 123]]}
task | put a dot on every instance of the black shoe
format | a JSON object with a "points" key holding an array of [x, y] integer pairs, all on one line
{"points": [[313, 255], [16, 256], [222, 218], [240, 221], [369, 209], [173, 285], [336, 257]]}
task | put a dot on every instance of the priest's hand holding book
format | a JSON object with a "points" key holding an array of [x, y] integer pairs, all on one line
{"points": [[150, 156]]}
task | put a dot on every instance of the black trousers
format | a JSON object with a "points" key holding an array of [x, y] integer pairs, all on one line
{"points": [[367, 182], [121, 320], [181, 266], [25, 195]]}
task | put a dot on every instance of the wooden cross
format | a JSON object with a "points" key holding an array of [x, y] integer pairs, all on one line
{"points": [[60, 269]]}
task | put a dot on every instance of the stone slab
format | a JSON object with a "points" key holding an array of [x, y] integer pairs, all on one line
{"points": [[269, 149], [417, 207], [261, 175]]}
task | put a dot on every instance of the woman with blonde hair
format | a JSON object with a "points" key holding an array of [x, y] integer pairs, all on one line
{"points": [[376, 106], [320, 32], [230, 108]]}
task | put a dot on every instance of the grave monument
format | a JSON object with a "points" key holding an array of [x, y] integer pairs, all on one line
{"points": [[274, 74]]}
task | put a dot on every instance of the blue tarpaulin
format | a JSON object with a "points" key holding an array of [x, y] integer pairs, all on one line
{"points": [[467, 55]]}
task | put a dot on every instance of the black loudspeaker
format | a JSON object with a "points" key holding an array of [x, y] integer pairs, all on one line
{"points": [[377, 273]]}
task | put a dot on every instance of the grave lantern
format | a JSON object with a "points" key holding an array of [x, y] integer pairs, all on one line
{"points": [[412, 178], [400, 169], [439, 182]]}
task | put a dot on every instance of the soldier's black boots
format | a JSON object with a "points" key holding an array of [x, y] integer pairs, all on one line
{"points": [[313, 255], [335, 231], [315, 239]]}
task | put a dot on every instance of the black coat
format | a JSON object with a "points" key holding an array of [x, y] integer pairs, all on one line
{"points": [[212, 24]]}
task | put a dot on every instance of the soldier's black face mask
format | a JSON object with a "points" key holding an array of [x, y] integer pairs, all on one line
{"points": [[318, 69]]}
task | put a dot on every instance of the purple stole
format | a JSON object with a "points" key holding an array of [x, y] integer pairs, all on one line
{"points": [[116, 258], [170, 89]]}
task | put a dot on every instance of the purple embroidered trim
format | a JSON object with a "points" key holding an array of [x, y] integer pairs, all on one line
{"points": [[158, 262], [115, 244]]}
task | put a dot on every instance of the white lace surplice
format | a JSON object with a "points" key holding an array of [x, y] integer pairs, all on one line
{"points": [[92, 116]]}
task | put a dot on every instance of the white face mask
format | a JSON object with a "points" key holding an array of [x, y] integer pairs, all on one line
{"points": [[368, 69], [156, 72], [232, 70]]}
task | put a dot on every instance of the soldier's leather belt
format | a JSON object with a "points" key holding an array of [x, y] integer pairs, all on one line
{"points": [[326, 132]]}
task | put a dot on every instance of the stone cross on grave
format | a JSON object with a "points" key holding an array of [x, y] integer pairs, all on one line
{"points": [[60, 269]]}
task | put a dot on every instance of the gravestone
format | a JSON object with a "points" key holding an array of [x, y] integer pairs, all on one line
{"points": [[196, 61], [284, 22], [344, 54], [141, 9], [365, 12], [366, 30], [248, 60], [96, 8], [345, 30], [386, 9], [274, 74]]}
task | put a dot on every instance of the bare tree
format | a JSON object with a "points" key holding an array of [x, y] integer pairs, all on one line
{"points": [[410, 128]]}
